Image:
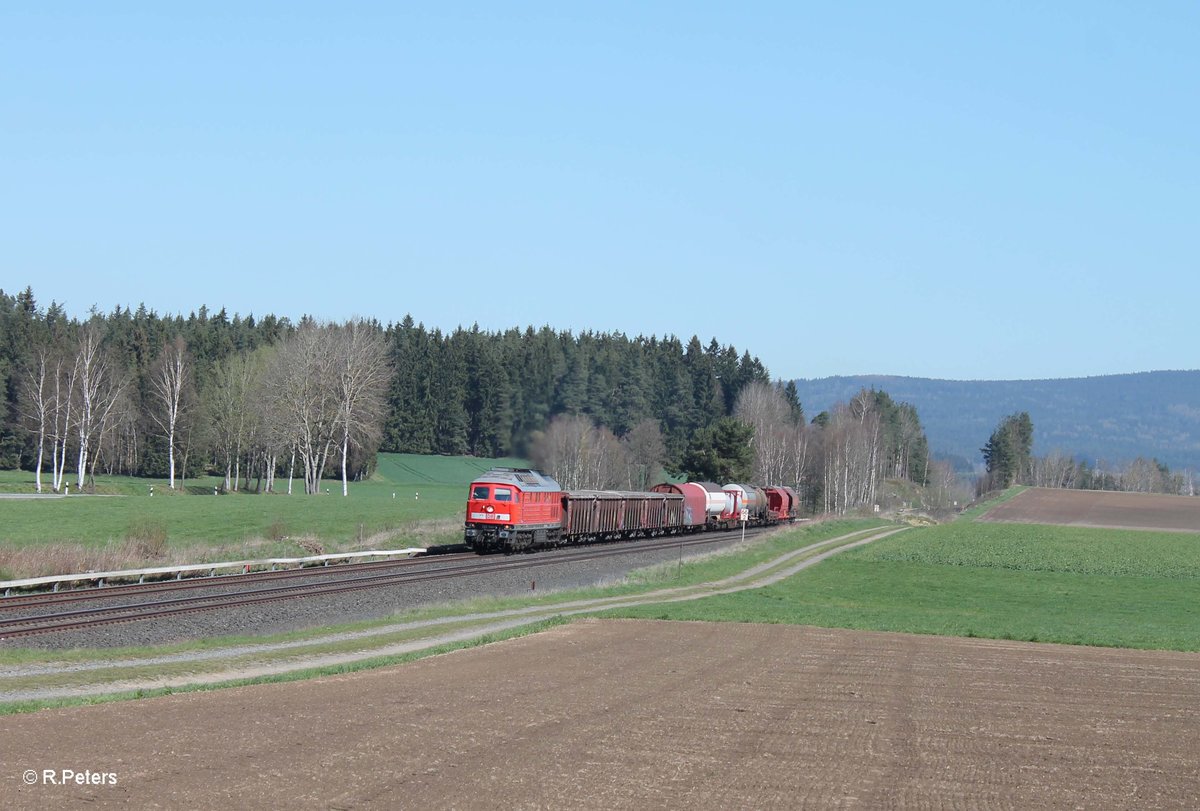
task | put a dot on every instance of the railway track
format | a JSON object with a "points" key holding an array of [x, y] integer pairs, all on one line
{"points": [[91, 594], [69, 611]]}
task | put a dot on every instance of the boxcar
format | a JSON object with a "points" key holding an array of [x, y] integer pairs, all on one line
{"points": [[611, 514]]}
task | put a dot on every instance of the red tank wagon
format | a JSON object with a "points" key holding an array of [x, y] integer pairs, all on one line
{"points": [[704, 503]]}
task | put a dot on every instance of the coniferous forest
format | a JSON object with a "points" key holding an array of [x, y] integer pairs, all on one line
{"points": [[132, 392]]}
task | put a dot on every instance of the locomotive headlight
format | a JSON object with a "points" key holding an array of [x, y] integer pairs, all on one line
{"points": [[490, 508]]}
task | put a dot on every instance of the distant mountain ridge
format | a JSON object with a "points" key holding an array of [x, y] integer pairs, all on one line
{"points": [[1111, 418]]}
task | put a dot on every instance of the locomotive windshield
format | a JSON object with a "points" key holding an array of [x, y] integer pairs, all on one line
{"points": [[503, 494], [480, 491]]}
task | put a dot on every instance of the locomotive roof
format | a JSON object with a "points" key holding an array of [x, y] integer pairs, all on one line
{"points": [[526, 478]]}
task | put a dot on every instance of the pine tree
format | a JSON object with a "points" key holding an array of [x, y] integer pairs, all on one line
{"points": [[1009, 449], [720, 453]]}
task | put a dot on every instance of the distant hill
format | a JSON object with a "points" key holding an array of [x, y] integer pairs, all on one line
{"points": [[1114, 418]]}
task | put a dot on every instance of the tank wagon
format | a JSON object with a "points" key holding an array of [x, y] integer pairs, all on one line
{"points": [[751, 499], [516, 509], [705, 504]]}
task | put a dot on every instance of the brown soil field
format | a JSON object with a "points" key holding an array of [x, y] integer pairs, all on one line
{"points": [[1093, 508], [625, 714]]}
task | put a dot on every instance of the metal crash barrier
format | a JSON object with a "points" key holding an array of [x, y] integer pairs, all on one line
{"points": [[55, 582]]}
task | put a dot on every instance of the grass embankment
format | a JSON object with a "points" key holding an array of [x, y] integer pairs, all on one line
{"points": [[1035, 583], [131, 527]]}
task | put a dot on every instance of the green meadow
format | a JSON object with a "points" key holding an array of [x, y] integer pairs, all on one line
{"points": [[1035, 583], [411, 500], [1027, 582]]}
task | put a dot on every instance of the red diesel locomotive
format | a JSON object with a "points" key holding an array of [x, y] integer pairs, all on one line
{"points": [[514, 509]]}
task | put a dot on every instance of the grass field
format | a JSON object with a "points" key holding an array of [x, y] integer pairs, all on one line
{"points": [[411, 500], [1027, 582], [1070, 585], [1035, 583]]}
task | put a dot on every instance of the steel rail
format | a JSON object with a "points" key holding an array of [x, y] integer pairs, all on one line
{"points": [[86, 618], [51, 598]]}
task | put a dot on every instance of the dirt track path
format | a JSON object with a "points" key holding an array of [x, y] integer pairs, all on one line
{"points": [[624, 714]]}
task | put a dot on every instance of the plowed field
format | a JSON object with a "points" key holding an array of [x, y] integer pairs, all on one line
{"points": [[630, 714], [1091, 508]]}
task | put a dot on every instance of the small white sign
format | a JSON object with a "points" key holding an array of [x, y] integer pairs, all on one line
{"points": [[744, 515]]}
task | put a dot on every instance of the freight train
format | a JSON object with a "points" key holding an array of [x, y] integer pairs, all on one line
{"points": [[518, 509]]}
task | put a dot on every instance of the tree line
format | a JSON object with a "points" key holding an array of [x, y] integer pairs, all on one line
{"points": [[313, 393], [131, 392], [1009, 459], [837, 462], [135, 393]]}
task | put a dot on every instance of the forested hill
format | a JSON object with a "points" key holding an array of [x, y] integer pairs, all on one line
{"points": [[1113, 418]]}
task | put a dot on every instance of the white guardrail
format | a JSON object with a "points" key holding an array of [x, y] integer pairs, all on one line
{"points": [[179, 571]]}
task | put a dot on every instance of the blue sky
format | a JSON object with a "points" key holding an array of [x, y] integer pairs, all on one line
{"points": [[955, 190]]}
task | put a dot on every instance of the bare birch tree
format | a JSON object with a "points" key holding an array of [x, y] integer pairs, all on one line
{"points": [[645, 451], [562, 448], [1054, 470], [945, 490], [300, 383], [581, 456], [39, 403], [117, 429], [764, 408], [361, 361], [232, 402], [64, 384], [170, 382], [851, 456], [98, 387], [800, 446]]}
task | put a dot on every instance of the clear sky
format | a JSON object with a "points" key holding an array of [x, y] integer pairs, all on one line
{"points": [[957, 190]]}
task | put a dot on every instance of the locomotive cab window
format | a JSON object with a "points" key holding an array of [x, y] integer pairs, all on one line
{"points": [[479, 492], [503, 494]]}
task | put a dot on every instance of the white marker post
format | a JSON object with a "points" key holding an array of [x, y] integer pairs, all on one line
{"points": [[744, 516]]}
